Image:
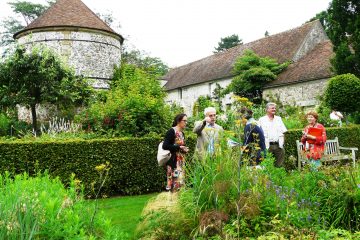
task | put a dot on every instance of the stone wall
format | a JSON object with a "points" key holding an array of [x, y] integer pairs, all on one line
{"points": [[303, 94], [187, 96], [91, 53]]}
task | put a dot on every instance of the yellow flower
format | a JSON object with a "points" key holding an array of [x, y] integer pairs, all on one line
{"points": [[257, 148], [77, 181], [246, 150], [237, 121], [101, 167]]}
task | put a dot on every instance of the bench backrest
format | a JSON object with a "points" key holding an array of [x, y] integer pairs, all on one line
{"points": [[331, 146]]}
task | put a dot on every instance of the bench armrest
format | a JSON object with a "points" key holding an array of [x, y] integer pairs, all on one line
{"points": [[345, 148]]}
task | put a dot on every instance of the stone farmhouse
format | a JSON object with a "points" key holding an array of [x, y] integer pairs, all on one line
{"points": [[81, 37], [307, 47]]}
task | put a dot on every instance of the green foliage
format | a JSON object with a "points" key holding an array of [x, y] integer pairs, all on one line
{"points": [[42, 208], [344, 24], [218, 97], [134, 168], [267, 34], [323, 18], [253, 72], [41, 77], [134, 106], [343, 93], [228, 201], [28, 12], [228, 42], [141, 59]]}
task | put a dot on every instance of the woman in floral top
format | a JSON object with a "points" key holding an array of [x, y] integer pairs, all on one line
{"points": [[175, 142], [314, 150]]}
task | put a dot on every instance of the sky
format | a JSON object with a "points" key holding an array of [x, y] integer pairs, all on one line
{"points": [[182, 31]]}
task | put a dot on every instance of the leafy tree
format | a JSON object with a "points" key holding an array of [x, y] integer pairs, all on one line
{"points": [[218, 96], [142, 59], [28, 12], [323, 18], [267, 34], [343, 93], [253, 72], [135, 105], [344, 25], [228, 42], [40, 77]]}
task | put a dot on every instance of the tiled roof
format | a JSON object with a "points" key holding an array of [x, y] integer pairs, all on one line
{"points": [[282, 46], [68, 13], [314, 65]]}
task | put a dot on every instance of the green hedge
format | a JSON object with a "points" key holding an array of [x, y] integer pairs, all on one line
{"points": [[348, 137], [134, 168]]}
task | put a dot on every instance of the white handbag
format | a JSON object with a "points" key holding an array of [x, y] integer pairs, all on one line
{"points": [[163, 156]]}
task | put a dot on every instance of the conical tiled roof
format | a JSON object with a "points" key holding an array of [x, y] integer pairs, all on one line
{"points": [[68, 13]]}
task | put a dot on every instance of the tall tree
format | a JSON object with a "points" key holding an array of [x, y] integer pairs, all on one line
{"points": [[228, 42], [344, 25], [142, 59], [41, 77], [252, 73], [24, 13], [323, 18], [267, 34]]}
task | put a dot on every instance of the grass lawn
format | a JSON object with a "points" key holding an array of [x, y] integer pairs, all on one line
{"points": [[125, 211]]}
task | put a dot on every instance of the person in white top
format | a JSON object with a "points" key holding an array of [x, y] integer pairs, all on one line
{"points": [[274, 130], [335, 115]]}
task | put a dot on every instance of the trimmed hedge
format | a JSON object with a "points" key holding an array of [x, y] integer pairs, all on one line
{"points": [[134, 168], [348, 137]]}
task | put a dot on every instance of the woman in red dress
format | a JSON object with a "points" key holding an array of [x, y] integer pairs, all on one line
{"points": [[314, 146]]}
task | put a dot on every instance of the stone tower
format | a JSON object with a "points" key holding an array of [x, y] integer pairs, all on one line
{"points": [[81, 37]]}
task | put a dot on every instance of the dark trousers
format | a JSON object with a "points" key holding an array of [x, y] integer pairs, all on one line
{"points": [[278, 153]]}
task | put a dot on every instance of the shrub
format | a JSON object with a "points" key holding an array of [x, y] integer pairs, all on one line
{"points": [[43, 208], [343, 93], [134, 168], [134, 106]]}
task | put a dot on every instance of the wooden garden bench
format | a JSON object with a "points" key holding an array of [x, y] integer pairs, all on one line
{"points": [[332, 152]]}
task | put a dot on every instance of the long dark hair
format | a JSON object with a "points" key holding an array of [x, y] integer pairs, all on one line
{"points": [[178, 119]]}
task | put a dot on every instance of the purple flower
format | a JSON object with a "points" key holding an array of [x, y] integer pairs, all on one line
{"points": [[283, 197], [324, 223], [247, 191], [359, 185], [325, 186], [291, 155], [309, 218], [297, 194], [250, 192], [317, 196], [277, 191], [301, 218], [280, 187], [309, 204], [259, 196], [299, 205], [275, 186], [288, 215]]}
